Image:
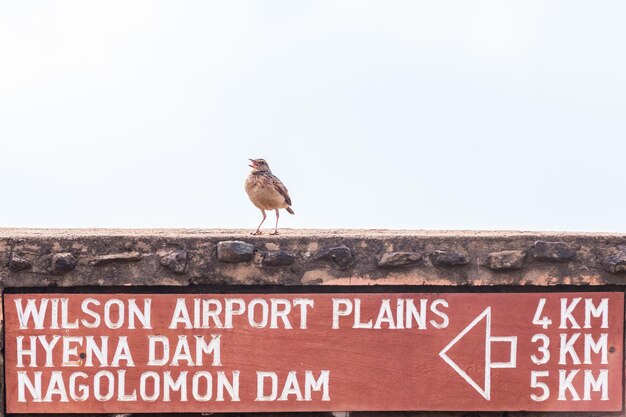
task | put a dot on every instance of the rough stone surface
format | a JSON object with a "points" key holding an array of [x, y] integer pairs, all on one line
{"points": [[116, 257], [278, 258], [449, 258], [554, 251], [18, 263], [615, 262], [506, 259], [394, 259], [62, 262], [356, 263], [340, 255], [175, 261], [234, 251]]}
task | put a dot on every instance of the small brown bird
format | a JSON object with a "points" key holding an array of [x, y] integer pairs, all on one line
{"points": [[266, 191]]}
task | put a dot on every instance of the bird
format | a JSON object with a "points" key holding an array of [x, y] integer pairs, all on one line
{"points": [[266, 191]]}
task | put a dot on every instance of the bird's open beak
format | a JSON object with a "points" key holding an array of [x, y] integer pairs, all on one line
{"points": [[253, 164]]}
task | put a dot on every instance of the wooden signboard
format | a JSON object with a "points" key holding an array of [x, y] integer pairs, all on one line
{"points": [[114, 353]]}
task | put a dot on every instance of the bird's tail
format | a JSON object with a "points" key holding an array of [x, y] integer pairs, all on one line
{"points": [[289, 210]]}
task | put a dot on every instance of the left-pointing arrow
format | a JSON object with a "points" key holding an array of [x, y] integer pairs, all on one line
{"points": [[483, 389]]}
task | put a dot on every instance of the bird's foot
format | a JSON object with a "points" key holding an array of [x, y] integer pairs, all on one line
{"points": [[258, 232], [274, 233]]}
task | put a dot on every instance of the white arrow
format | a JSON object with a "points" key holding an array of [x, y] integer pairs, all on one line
{"points": [[485, 390]]}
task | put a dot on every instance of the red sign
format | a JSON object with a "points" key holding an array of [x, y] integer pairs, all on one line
{"points": [[115, 353]]}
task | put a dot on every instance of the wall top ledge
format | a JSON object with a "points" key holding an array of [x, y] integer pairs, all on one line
{"points": [[183, 257], [8, 233]]}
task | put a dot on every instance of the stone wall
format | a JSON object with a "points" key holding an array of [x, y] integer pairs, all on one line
{"points": [[312, 258]]}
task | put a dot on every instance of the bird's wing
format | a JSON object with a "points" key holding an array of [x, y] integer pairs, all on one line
{"points": [[280, 187]]}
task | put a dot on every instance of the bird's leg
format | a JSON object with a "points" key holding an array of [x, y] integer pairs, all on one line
{"points": [[276, 228], [258, 229]]}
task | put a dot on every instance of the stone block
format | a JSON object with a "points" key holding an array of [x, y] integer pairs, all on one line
{"points": [[233, 251]]}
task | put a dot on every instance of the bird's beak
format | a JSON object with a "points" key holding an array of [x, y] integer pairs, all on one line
{"points": [[253, 164]]}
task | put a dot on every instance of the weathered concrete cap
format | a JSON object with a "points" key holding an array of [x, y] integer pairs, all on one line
{"points": [[18, 263], [341, 255], [616, 262], [506, 259], [554, 251], [393, 259], [279, 258], [234, 251], [448, 258], [62, 262], [175, 261]]}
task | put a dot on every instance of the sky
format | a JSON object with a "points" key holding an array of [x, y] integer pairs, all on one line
{"points": [[375, 114]]}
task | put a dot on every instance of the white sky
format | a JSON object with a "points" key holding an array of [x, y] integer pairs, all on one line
{"points": [[375, 114]]}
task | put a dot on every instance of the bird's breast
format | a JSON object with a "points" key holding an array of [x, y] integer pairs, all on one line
{"points": [[263, 194]]}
